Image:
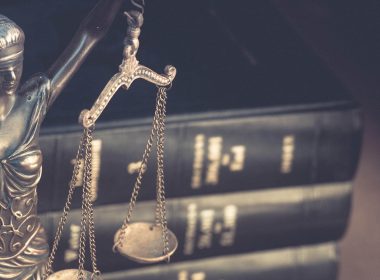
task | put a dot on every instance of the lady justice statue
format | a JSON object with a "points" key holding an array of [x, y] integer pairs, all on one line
{"points": [[23, 245]]}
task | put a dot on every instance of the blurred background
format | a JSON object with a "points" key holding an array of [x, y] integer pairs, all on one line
{"points": [[289, 53]]}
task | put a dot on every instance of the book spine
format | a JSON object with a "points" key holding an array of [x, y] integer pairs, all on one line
{"points": [[317, 262], [212, 155], [220, 224]]}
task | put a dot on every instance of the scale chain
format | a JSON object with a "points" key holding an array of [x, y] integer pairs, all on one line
{"points": [[87, 219], [84, 216], [129, 71], [66, 209], [161, 203], [138, 182], [88, 200], [156, 128], [159, 177]]}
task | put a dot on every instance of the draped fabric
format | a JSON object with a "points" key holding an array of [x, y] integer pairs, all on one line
{"points": [[23, 246]]}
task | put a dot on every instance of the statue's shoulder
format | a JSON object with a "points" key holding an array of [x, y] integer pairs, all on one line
{"points": [[35, 86], [19, 131]]}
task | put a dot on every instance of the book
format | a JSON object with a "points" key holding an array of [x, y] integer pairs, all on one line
{"points": [[316, 262], [216, 225], [209, 154]]}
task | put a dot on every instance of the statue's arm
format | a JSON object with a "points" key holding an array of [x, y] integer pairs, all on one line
{"points": [[92, 29]]}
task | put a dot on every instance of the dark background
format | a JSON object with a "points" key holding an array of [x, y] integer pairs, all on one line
{"points": [[229, 56]]}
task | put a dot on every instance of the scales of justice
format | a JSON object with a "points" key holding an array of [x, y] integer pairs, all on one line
{"points": [[24, 251]]}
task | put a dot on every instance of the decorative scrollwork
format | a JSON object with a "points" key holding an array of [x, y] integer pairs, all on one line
{"points": [[129, 71], [19, 224]]}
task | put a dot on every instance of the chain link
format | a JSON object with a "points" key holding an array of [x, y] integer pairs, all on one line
{"points": [[87, 218], [66, 209], [159, 177], [158, 126], [137, 185], [88, 200], [161, 202]]}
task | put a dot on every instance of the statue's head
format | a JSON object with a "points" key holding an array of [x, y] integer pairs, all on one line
{"points": [[11, 55]]}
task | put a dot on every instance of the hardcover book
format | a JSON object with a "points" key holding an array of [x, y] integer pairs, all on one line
{"points": [[214, 225], [317, 262], [208, 154]]}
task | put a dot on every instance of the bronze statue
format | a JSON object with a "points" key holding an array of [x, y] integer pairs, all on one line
{"points": [[23, 246]]}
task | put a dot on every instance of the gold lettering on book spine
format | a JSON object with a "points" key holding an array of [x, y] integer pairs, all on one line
{"points": [[287, 157]]}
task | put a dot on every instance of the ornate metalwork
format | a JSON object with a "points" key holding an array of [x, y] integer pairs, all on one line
{"points": [[159, 243], [129, 70], [23, 246]]}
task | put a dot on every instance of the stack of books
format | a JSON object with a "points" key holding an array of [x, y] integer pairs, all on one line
{"points": [[262, 144]]}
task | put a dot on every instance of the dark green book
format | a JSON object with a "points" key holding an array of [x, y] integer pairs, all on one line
{"points": [[212, 153], [215, 225], [317, 262]]}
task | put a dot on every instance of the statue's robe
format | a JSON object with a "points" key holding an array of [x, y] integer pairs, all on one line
{"points": [[23, 245]]}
